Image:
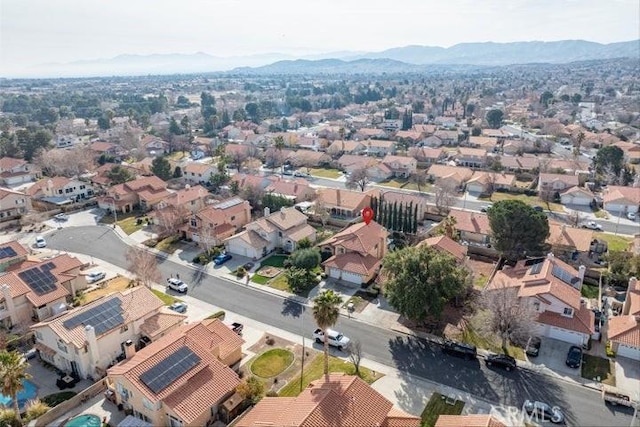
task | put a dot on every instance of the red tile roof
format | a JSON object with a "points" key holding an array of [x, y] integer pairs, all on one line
{"points": [[624, 329], [361, 238], [475, 420], [446, 244]]}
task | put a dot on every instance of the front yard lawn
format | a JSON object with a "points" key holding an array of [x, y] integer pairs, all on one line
{"points": [[438, 405], [272, 362], [404, 184], [593, 367], [260, 280], [530, 200], [614, 243], [167, 299], [274, 261], [280, 282], [325, 173], [315, 369], [117, 284], [602, 214], [169, 245]]}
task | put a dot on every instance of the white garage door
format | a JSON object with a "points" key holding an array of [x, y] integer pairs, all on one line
{"points": [[334, 273], [565, 335], [240, 249], [352, 277], [630, 352]]}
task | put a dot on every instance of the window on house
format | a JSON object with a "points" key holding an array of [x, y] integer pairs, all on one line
{"points": [[536, 305], [148, 404], [194, 223], [82, 187], [233, 217], [568, 311], [62, 346], [60, 191], [279, 233]]}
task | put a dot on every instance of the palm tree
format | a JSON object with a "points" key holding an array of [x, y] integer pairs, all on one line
{"points": [[13, 371], [278, 143], [326, 309]]}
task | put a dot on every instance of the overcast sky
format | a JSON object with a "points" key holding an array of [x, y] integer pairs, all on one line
{"points": [[43, 31]]}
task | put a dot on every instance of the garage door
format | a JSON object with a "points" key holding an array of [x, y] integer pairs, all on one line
{"points": [[630, 352], [565, 335], [334, 273], [352, 277]]}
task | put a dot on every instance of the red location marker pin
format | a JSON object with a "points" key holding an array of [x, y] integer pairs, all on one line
{"points": [[367, 215]]}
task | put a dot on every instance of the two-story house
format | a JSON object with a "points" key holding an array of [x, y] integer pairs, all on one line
{"points": [[190, 199], [551, 288], [218, 221], [453, 176], [379, 147], [154, 145], [87, 340], [13, 204], [569, 241], [36, 290], [282, 229], [309, 158], [620, 200], [345, 204], [551, 183], [198, 173], [471, 157], [17, 171], [59, 189], [448, 246], [401, 167], [448, 137], [141, 193], [182, 379], [623, 331], [526, 163], [427, 156], [482, 182], [346, 147], [356, 252]]}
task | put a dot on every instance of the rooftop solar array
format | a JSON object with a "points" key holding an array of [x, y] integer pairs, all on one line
{"points": [[565, 276], [169, 369], [536, 268], [7, 252], [40, 279], [228, 203], [103, 317]]}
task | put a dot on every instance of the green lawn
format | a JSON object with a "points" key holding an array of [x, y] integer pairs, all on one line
{"points": [[177, 155], [593, 367], [480, 280], [589, 291], [614, 243], [280, 282], [260, 280], [530, 200], [494, 345], [314, 370], [167, 299], [129, 225], [599, 213], [274, 261], [272, 362], [404, 184], [325, 173], [437, 406]]}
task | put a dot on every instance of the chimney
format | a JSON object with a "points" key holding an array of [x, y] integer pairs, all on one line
{"points": [[92, 341], [581, 270], [634, 285], [282, 211], [6, 294], [267, 212], [338, 197], [129, 349]]}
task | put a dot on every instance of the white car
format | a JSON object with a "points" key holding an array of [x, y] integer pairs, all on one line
{"points": [[40, 242], [592, 225], [336, 339], [95, 276], [177, 285], [631, 216]]}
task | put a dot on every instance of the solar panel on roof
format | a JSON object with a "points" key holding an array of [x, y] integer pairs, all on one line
{"points": [[102, 317], [7, 252], [564, 275], [158, 377], [228, 203], [536, 268], [40, 281]]}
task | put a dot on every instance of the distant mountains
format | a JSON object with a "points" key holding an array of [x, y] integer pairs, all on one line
{"points": [[400, 59]]}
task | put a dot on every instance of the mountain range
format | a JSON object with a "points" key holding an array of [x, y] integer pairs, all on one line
{"points": [[401, 59]]}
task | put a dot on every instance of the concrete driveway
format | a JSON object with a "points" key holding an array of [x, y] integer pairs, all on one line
{"points": [[553, 355], [628, 376]]}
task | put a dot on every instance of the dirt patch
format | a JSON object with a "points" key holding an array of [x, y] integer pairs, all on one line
{"points": [[481, 271], [269, 271], [116, 284]]}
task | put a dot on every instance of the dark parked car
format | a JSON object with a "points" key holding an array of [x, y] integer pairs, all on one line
{"points": [[538, 208], [503, 361], [221, 259], [543, 412], [574, 357], [248, 266], [533, 347], [459, 349]]}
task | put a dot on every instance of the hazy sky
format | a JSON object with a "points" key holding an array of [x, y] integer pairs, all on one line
{"points": [[42, 31]]}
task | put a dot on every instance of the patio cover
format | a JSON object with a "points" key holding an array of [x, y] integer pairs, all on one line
{"points": [[131, 421]]}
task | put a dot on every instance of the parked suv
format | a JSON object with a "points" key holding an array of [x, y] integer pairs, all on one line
{"points": [[574, 357], [177, 285], [459, 349], [501, 361]]}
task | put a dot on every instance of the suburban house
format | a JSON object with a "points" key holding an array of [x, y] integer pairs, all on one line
{"points": [[87, 340], [375, 169], [620, 200], [356, 252], [297, 190], [473, 227], [471, 157], [624, 330], [344, 203], [337, 400], [309, 158], [551, 183], [400, 166], [100, 178], [190, 199], [246, 180], [571, 167], [60, 190], [487, 182], [346, 147], [198, 173], [432, 141], [525, 163], [448, 137], [17, 171], [154, 145], [631, 151], [11, 253], [454, 176], [183, 379], [13, 204], [569, 241], [446, 245], [142, 193], [214, 223], [552, 289], [485, 142], [411, 136], [471, 420], [36, 290], [407, 199], [279, 230], [379, 147], [107, 149], [577, 196], [427, 156]]}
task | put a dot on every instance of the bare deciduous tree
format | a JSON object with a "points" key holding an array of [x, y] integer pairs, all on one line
{"points": [[359, 178], [355, 354], [169, 219], [144, 266], [321, 211], [68, 163], [274, 158], [419, 178], [206, 236], [575, 218], [444, 196]]}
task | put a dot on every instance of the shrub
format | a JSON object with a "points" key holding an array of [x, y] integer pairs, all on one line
{"points": [[35, 409], [609, 350], [8, 418], [269, 340], [241, 272], [152, 243], [217, 315], [196, 259], [57, 398], [307, 259]]}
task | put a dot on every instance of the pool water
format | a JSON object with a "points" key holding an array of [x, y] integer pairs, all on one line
{"points": [[88, 420], [29, 392]]}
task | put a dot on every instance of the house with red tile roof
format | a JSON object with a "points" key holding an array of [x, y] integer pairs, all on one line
{"points": [[524, 163], [483, 182], [472, 226], [552, 183], [346, 147], [11, 253], [565, 240], [401, 166], [13, 204], [427, 156], [101, 179], [345, 203], [60, 189], [34, 290], [337, 400], [297, 190], [191, 199], [376, 170], [472, 420], [198, 173], [551, 288], [624, 330], [216, 222], [380, 147], [485, 142], [309, 158], [88, 339], [456, 176], [181, 379], [446, 245], [577, 196], [141, 193], [619, 199], [471, 157], [407, 199], [17, 171], [356, 252]]}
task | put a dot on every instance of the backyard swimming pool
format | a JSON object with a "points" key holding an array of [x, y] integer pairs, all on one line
{"points": [[88, 420], [29, 392]]}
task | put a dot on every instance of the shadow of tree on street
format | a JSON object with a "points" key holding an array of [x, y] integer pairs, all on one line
{"points": [[291, 307]]}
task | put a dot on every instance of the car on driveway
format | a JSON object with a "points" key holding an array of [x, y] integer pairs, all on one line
{"points": [[538, 208], [221, 259], [96, 276], [40, 242], [178, 307], [533, 347], [459, 349], [574, 357], [540, 411], [503, 361], [248, 266], [177, 285]]}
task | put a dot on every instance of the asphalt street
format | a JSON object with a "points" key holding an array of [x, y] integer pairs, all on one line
{"points": [[413, 356]]}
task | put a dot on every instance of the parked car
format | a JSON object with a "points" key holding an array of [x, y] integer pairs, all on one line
{"points": [[543, 412], [40, 242], [336, 339], [459, 349], [61, 217], [96, 276], [533, 346], [592, 225], [177, 285], [485, 208], [237, 327], [503, 361], [300, 174], [574, 357], [248, 266], [631, 216], [178, 307], [221, 259]]}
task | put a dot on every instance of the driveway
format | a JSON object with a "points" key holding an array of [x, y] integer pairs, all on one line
{"points": [[553, 354], [628, 376]]}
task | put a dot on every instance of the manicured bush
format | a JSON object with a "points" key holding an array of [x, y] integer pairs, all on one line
{"points": [[217, 315], [57, 398]]}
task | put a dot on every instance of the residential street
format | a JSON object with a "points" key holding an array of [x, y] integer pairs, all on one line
{"points": [[409, 355]]}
